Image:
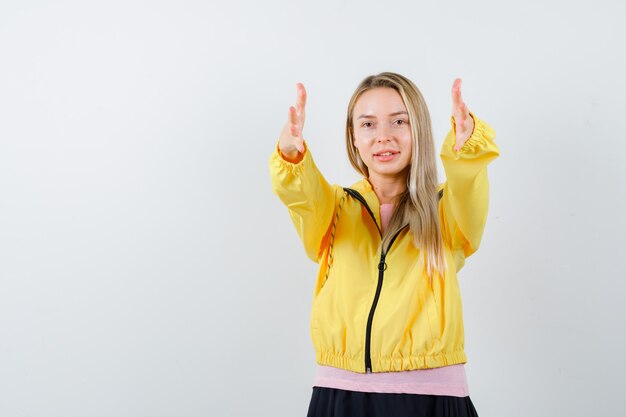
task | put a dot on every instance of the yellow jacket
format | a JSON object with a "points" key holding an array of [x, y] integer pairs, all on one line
{"points": [[367, 318]]}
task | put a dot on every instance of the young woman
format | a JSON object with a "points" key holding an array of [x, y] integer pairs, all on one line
{"points": [[386, 320]]}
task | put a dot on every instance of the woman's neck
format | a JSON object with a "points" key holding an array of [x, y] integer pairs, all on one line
{"points": [[387, 189]]}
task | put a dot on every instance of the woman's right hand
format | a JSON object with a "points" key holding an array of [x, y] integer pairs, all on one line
{"points": [[291, 142]]}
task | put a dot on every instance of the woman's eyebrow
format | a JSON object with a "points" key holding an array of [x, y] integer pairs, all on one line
{"points": [[369, 116]]}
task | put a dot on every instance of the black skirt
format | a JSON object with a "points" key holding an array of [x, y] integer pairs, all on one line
{"points": [[333, 402]]}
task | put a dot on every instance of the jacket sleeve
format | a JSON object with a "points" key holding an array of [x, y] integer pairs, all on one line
{"points": [[309, 199], [465, 201]]}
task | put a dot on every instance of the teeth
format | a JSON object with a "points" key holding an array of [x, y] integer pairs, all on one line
{"points": [[385, 154]]}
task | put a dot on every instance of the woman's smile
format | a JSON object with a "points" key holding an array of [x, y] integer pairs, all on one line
{"points": [[386, 156]]}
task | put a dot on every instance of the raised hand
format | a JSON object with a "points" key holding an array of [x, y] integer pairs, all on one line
{"points": [[462, 119], [291, 142]]}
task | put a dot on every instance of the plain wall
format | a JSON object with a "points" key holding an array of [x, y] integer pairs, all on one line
{"points": [[147, 269]]}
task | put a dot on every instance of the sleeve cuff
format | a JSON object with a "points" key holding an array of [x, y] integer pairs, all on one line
{"points": [[294, 167], [475, 141]]}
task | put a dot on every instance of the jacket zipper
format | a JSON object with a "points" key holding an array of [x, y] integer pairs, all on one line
{"points": [[382, 266]]}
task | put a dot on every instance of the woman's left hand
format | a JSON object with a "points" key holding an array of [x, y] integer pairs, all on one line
{"points": [[462, 119]]}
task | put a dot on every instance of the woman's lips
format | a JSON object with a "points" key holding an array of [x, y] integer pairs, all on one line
{"points": [[386, 157]]}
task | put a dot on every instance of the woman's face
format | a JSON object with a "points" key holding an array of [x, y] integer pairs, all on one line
{"points": [[382, 133]]}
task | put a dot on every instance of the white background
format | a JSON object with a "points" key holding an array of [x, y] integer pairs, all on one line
{"points": [[146, 268]]}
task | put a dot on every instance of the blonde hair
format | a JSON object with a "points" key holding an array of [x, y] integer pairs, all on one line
{"points": [[418, 205]]}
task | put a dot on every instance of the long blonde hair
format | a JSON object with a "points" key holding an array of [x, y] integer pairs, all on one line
{"points": [[418, 205]]}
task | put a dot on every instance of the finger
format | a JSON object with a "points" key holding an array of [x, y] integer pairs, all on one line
{"points": [[464, 110], [460, 120], [456, 89], [300, 104], [456, 94], [294, 126], [300, 144], [301, 98], [293, 116]]}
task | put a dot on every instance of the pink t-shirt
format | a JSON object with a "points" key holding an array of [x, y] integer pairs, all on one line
{"points": [[447, 380]]}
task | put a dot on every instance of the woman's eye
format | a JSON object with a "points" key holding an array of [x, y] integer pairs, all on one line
{"points": [[367, 124], [400, 121]]}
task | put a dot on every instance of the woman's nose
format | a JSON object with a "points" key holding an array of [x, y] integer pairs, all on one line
{"points": [[383, 134]]}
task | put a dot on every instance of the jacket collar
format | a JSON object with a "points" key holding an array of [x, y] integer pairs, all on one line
{"points": [[364, 187]]}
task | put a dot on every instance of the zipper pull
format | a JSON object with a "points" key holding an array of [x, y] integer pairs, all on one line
{"points": [[382, 265]]}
